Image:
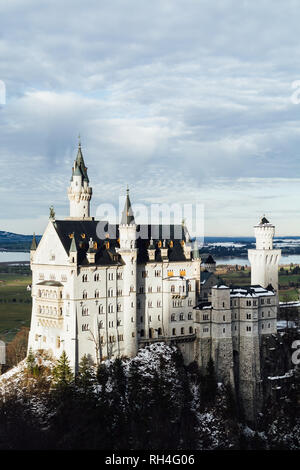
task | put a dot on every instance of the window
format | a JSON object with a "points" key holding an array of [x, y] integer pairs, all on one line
{"points": [[58, 342], [173, 289], [158, 303], [100, 309], [85, 312], [190, 316], [268, 301], [262, 326], [110, 276], [173, 317], [173, 331], [84, 294], [224, 330], [182, 331], [149, 303], [190, 329], [84, 327], [205, 329], [190, 302], [158, 317], [248, 316], [120, 337], [158, 289], [189, 287], [119, 308], [157, 273], [149, 288], [159, 331], [248, 303], [119, 276], [131, 288], [248, 328], [224, 318], [144, 273], [141, 290], [110, 292], [110, 308], [84, 278], [96, 294], [254, 303], [269, 325], [262, 301], [132, 320], [181, 316], [133, 334], [268, 313], [96, 277], [205, 316], [119, 292], [223, 304]]}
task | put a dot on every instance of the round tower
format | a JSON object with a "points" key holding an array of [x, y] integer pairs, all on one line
{"points": [[128, 251], [264, 259]]}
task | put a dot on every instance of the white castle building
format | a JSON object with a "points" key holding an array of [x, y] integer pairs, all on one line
{"points": [[108, 296]]}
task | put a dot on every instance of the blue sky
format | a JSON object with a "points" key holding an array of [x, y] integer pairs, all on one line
{"points": [[186, 101]]}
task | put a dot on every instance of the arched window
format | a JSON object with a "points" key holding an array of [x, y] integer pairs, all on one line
{"points": [[191, 329], [172, 288], [173, 317], [100, 309], [97, 294], [159, 331], [174, 332], [182, 331], [142, 333], [110, 308], [110, 292], [119, 308], [181, 316], [84, 294]]}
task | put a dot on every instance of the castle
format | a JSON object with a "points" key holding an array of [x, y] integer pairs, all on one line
{"points": [[108, 296]]}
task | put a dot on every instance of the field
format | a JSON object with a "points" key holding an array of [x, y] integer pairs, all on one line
{"points": [[15, 304], [289, 283]]}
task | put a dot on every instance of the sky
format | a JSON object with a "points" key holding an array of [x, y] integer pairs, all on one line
{"points": [[186, 101]]}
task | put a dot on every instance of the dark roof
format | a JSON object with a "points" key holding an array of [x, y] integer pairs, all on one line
{"points": [[79, 232], [80, 168], [205, 275], [207, 259], [263, 221], [127, 215]]}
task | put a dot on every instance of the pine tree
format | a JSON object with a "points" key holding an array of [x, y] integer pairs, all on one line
{"points": [[62, 373], [85, 379], [30, 362]]}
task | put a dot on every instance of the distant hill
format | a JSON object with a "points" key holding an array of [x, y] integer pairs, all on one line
{"points": [[15, 242]]}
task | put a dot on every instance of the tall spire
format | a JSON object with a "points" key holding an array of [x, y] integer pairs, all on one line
{"points": [[73, 247], [79, 191], [33, 243], [127, 215]]}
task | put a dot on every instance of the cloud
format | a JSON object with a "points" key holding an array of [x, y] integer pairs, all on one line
{"points": [[183, 101]]}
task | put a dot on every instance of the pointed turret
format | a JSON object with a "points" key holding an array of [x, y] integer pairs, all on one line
{"points": [[127, 214], [79, 192], [33, 243], [73, 247]]}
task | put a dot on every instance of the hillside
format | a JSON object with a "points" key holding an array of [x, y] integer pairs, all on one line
{"points": [[15, 242]]}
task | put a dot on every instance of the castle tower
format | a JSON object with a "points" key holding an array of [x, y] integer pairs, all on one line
{"points": [[79, 191], [264, 259], [128, 251], [222, 350]]}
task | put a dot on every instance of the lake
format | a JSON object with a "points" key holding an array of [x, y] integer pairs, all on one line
{"points": [[6, 256], [295, 259]]}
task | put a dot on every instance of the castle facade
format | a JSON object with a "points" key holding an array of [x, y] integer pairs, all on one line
{"points": [[107, 296]]}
